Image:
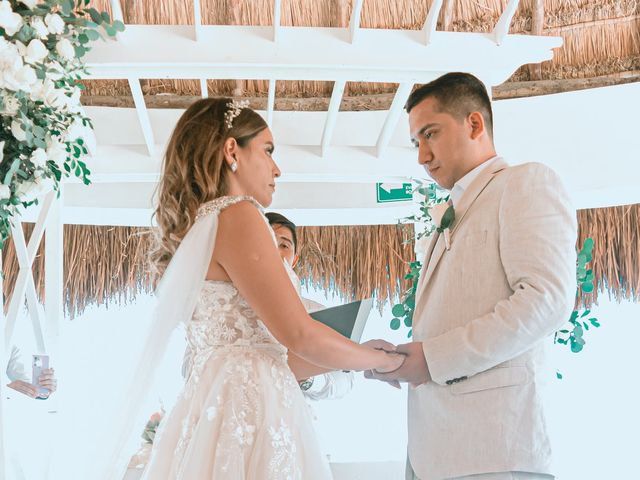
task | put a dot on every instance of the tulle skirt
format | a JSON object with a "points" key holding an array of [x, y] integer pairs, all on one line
{"points": [[241, 416]]}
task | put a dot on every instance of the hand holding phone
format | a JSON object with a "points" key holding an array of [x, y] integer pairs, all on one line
{"points": [[40, 366]]}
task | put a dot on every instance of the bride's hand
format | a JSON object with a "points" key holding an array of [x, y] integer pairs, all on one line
{"points": [[392, 361]]}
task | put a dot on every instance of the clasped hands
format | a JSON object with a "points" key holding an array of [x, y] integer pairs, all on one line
{"points": [[413, 370]]}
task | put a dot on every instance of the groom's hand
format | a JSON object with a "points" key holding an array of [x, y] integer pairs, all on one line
{"points": [[414, 370]]}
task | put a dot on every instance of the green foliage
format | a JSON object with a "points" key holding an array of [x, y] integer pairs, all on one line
{"points": [[580, 320], [37, 118]]}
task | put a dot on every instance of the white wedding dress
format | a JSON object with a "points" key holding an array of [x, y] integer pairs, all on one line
{"points": [[241, 414]]}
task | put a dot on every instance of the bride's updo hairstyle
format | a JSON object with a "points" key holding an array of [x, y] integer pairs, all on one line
{"points": [[194, 171]]}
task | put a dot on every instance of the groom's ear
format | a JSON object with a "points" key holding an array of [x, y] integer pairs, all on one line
{"points": [[229, 149], [476, 122]]}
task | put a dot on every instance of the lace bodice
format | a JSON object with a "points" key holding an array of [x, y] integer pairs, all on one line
{"points": [[223, 318]]}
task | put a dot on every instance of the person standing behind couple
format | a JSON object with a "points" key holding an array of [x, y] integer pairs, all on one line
{"points": [[487, 299], [334, 384]]}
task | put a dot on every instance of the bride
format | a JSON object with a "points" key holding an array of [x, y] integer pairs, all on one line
{"points": [[241, 414]]}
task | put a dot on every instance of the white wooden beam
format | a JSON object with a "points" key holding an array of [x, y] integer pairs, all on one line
{"points": [[431, 22], [305, 53], [197, 20], [271, 101], [354, 21], [204, 90], [332, 115], [390, 124], [501, 29], [277, 15], [53, 272], [143, 114], [116, 10]]}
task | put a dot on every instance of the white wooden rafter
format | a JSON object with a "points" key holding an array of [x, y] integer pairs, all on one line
{"points": [[306, 53], [197, 20], [271, 101], [277, 15], [143, 114], [431, 22], [116, 10], [501, 29], [354, 21], [332, 115], [391, 122]]}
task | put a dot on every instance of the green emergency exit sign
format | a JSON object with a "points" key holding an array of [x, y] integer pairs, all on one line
{"points": [[393, 192]]}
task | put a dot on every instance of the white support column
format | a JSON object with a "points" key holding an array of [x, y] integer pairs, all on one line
{"points": [[271, 102], [277, 15], [332, 114], [501, 29], [53, 272], [203, 88], [143, 114], [403, 92], [432, 20], [116, 10], [354, 22], [197, 20], [3, 381]]}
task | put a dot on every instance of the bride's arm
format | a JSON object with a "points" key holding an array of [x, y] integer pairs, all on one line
{"points": [[247, 253]]}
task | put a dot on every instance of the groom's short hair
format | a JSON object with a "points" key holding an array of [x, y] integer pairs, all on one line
{"points": [[458, 94]]}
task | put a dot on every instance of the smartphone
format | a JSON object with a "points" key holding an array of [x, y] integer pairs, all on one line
{"points": [[40, 363]]}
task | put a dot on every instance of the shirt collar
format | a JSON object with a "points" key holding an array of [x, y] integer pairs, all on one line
{"points": [[461, 185]]}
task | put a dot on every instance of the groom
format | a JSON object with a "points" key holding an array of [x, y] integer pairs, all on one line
{"points": [[487, 299]]}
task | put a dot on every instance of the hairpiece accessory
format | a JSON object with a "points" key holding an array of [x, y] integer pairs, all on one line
{"points": [[234, 107]]}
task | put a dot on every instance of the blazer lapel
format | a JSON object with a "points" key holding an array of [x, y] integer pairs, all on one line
{"points": [[437, 248]]}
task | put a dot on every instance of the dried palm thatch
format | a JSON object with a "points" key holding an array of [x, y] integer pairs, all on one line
{"points": [[108, 265], [616, 255], [601, 37]]}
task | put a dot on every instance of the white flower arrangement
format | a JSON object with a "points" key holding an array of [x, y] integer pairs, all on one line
{"points": [[44, 134]]}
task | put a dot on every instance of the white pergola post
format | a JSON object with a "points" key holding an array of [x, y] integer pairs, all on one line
{"points": [[3, 367], [53, 272]]}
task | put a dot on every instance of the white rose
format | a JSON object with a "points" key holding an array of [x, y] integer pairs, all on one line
{"points": [[10, 62], [30, 190], [65, 49], [17, 131], [78, 130], [36, 51], [29, 3], [46, 92], [421, 246], [437, 212], [5, 192], [41, 29], [57, 151], [11, 105], [55, 23], [39, 158], [55, 71], [10, 21]]}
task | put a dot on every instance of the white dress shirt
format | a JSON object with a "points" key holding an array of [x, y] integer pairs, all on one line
{"points": [[461, 185]]}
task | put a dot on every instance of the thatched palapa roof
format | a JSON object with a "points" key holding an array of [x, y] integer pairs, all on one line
{"points": [[601, 47]]}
